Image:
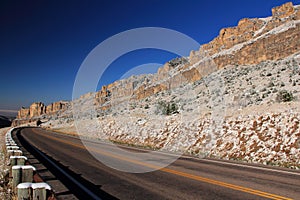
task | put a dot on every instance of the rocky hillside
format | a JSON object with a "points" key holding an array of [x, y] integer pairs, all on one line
{"points": [[236, 97]]}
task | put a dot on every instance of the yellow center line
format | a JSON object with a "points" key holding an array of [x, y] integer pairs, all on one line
{"points": [[175, 172]]}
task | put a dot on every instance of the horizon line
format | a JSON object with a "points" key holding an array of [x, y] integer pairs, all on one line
{"points": [[8, 111]]}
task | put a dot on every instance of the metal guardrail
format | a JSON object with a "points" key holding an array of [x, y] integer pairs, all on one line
{"points": [[58, 171], [22, 175]]}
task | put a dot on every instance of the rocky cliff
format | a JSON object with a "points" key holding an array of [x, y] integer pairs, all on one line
{"points": [[257, 40], [251, 42], [38, 111]]}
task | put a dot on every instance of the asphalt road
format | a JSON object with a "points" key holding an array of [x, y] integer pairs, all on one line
{"points": [[186, 178]]}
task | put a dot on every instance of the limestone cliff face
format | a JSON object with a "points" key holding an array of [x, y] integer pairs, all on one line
{"points": [[23, 113], [37, 110], [283, 11], [256, 40], [55, 107], [252, 41], [144, 91]]}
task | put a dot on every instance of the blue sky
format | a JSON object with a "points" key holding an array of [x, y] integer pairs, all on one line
{"points": [[43, 43]]}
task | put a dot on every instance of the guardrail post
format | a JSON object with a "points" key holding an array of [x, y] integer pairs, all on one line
{"points": [[34, 191], [21, 174], [10, 143], [16, 176], [24, 191], [27, 173], [17, 160], [40, 191], [9, 147], [14, 153], [13, 160]]}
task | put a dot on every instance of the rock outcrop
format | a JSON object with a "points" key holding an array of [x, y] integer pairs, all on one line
{"points": [[251, 42], [23, 113], [37, 111], [55, 107], [283, 11], [256, 40]]}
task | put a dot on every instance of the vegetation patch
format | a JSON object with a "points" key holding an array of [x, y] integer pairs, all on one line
{"points": [[166, 108], [284, 96]]}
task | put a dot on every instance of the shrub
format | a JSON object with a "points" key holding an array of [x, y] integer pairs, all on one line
{"points": [[284, 96], [177, 61], [166, 108]]}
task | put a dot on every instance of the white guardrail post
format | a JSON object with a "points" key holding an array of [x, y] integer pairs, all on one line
{"points": [[14, 153], [27, 173], [24, 191], [40, 191], [22, 174], [16, 176], [17, 160], [34, 191]]}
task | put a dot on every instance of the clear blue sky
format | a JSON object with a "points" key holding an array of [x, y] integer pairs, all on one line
{"points": [[44, 42]]}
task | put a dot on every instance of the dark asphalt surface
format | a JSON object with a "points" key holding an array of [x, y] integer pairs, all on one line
{"points": [[186, 178]]}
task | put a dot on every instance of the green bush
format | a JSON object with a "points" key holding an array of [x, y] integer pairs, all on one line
{"points": [[166, 108], [284, 96]]}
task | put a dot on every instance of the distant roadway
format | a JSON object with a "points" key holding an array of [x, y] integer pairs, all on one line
{"points": [[186, 178]]}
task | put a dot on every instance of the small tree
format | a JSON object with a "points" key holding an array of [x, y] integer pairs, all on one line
{"points": [[173, 108], [284, 96], [166, 108]]}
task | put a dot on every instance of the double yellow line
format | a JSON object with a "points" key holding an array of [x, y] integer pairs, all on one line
{"points": [[175, 172]]}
